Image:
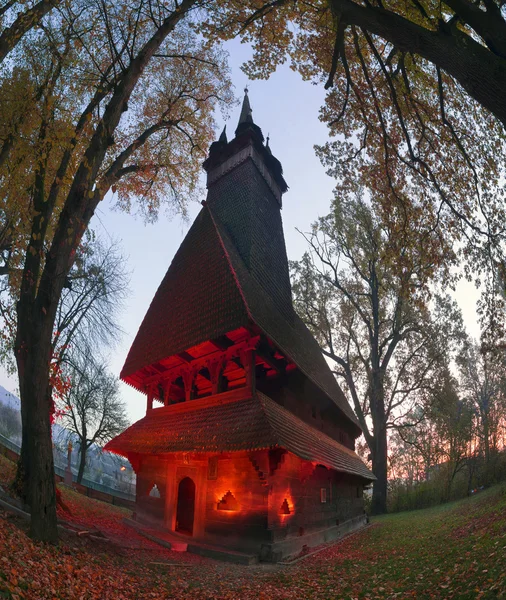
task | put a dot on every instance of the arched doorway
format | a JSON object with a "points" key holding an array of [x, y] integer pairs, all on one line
{"points": [[185, 506]]}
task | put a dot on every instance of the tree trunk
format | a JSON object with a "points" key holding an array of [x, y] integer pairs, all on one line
{"points": [[453, 471], [486, 440], [486, 447], [23, 23], [379, 450], [33, 351], [82, 461], [379, 468], [478, 70], [36, 468]]}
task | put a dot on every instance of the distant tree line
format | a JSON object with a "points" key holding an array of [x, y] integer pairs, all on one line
{"points": [[459, 446]]}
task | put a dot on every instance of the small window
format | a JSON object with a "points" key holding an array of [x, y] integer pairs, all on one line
{"points": [[313, 412], [285, 508], [323, 495], [228, 502], [155, 492], [359, 492]]}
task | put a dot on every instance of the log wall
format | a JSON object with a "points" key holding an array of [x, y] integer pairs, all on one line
{"points": [[246, 526], [317, 497], [300, 396]]}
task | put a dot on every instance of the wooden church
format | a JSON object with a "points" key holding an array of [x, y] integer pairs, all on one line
{"points": [[248, 441]]}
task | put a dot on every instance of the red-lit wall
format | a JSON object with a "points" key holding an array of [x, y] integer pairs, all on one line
{"points": [[301, 483], [247, 526], [274, 495]]}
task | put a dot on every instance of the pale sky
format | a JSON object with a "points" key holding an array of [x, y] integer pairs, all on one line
{"points": [[284, 107]]}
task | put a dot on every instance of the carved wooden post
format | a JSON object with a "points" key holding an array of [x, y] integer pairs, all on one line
{"points": [[215, 365], [248, 362], [188, 377], [150, 401], [166, 393]]}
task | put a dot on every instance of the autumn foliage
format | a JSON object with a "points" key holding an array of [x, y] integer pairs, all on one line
{"points": [[119, 97]]}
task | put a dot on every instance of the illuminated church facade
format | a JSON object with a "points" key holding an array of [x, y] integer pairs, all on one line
{"points": [[247, 436]]}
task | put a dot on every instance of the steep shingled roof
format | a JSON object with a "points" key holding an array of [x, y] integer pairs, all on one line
{"points": [[208, 291], [232, 425], [198, 299]]}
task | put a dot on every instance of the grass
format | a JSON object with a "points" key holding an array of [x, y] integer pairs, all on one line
{"points": [[456, 550]]}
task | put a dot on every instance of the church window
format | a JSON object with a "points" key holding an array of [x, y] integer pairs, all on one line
{"points": [[228, 502]]}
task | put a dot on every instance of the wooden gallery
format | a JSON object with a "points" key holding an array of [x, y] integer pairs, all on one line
{"points": [[248, 441]]}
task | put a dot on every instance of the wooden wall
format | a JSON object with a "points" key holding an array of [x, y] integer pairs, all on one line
{"points": [[247, 525], [264, 485], [300, 396], [300, 483]]}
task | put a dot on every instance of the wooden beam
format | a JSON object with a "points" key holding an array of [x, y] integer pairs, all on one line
{"points": [[230, 354], [266, 354], [188, 358], [248, 360], [222, 343], [149, 403]]}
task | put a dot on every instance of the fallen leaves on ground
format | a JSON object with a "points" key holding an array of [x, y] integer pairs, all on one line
{"points": [[7, 471], [453, 551]]}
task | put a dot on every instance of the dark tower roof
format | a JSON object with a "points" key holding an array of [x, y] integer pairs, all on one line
{"points": [[231, 270], [245, 116], [246, 122]]}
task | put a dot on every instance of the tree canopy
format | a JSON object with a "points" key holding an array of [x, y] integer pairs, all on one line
{"points": [[414, 106], [100, 97]]}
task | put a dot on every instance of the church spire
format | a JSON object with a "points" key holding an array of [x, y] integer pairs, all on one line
{"points": [[247, 145], [245, 110], [246, 120]]}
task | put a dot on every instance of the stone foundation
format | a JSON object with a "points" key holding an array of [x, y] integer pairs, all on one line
{"points": [[290, 547]]}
